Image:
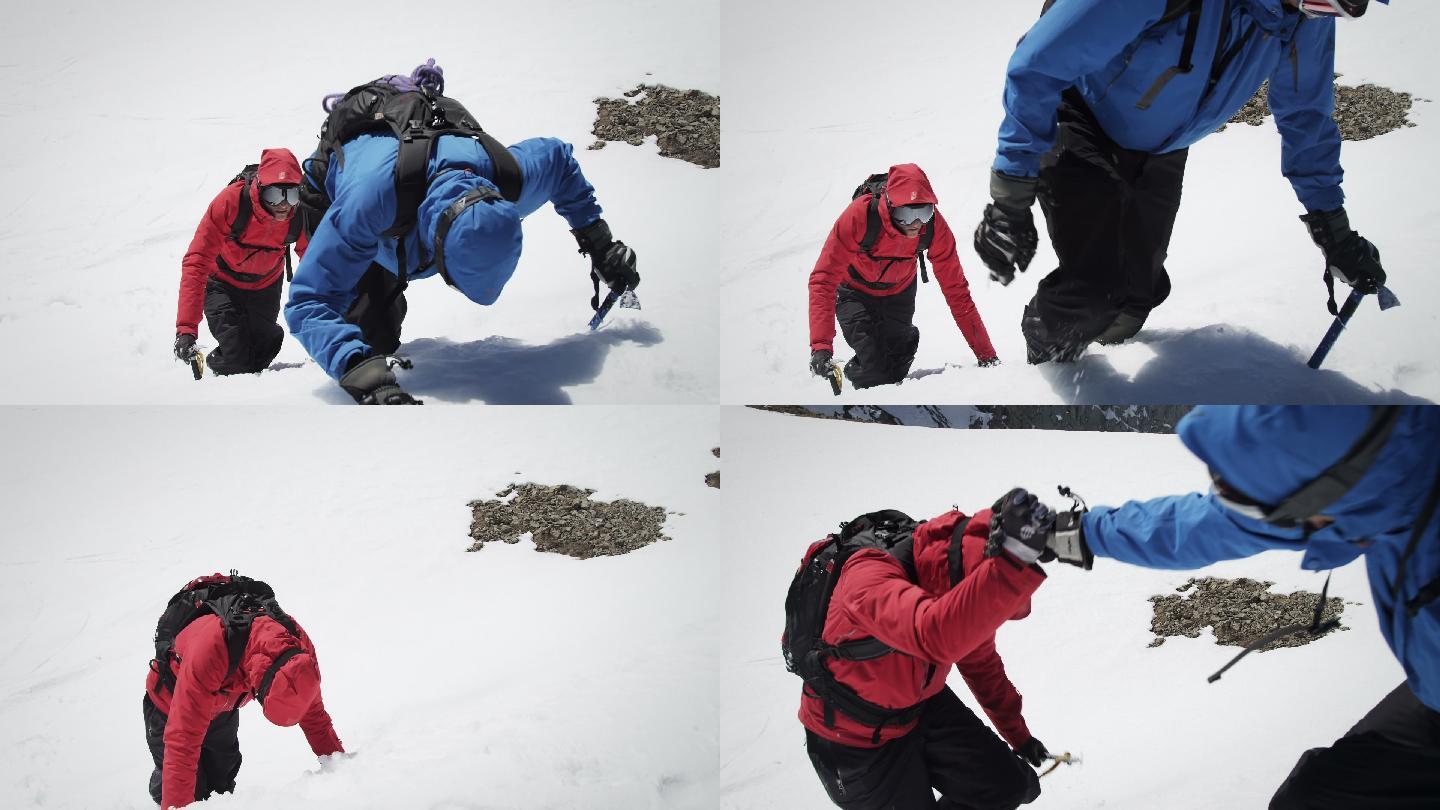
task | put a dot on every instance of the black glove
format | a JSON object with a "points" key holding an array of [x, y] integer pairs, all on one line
{"points": [[989, 362], [184, 346], [611, 262], [1348, 256], [820, 362], [371, 382], [1033, 752], [1006, 238], [1021, 525]]}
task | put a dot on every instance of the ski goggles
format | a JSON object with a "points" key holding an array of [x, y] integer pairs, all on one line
{"points": [[911, 214], [1349, 9], [274, 195]]}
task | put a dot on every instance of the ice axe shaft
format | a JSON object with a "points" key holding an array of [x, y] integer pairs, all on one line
{"points": [[197, 364], [1056, 760], [837, 380], [1387, 300]]}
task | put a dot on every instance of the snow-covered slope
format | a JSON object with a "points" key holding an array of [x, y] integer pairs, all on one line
{"points": [[1151, 731], [128, 118], [822, 94], [504, 678]]}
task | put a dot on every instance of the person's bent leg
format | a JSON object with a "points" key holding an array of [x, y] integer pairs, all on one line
{"points": [[891, 777], [225, 316], [1082, 196], [220, 754], [972, 767], [1149, 221], [155, 741], [901, 337], [263, 311], [378, 309], [1390, 760], [859, 323]]}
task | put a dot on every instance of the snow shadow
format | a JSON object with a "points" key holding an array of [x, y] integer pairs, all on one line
{"points": [[1211, 364], [503, 371]]}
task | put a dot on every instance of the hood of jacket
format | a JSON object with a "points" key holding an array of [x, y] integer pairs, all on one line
{"points": [[1269, 452], [278, 166], [483, 245]]}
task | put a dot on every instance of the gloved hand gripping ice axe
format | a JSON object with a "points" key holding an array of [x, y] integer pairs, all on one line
{"points": [[1387, 300], [612, 263]]}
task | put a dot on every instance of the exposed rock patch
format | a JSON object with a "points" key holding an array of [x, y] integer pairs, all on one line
{"points": [[564, 520], [1362, 112], [686, 123], [1240, 611]]}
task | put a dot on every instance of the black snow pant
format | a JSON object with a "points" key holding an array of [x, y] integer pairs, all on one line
{"points": [[1390, 760], [219, 753], [1109, 212], [245, 326], [949, 750], [882, 332], [379, 322]]}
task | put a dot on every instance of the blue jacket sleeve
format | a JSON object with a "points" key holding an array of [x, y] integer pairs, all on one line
{"points": [[553, 175], [1074, 38], [1302, 97], [1180, 531], [342, 249]]}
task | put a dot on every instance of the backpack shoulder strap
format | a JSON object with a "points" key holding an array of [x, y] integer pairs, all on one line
{"points": [[957, 551], [927, 234], [872, 225], [1187, 50], [507, 169], [242, 217]]}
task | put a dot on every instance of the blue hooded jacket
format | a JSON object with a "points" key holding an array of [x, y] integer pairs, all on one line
{"points": [[481, 249], [1112, 52], [1268, 453]]}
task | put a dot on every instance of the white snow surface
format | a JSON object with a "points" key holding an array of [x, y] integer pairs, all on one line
{"points": [[504, 678], [1151, 731], [128, 118], [824, 93]]}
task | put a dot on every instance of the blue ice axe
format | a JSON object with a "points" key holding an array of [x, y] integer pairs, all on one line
{"points": [[1387, 300], [627, 301]]}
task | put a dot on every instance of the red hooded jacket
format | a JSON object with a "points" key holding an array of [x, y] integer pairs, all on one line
{"points": [[907, 185], [256, 259], [203, 693], [930, 626]]}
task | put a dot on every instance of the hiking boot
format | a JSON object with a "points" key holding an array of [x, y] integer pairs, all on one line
{"points": [[1124, 327], [1042, 346]]}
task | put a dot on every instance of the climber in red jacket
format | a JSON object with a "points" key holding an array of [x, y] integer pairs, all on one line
{"points": [[944, 613], [867, 281], [191, 731], [234, 269]]}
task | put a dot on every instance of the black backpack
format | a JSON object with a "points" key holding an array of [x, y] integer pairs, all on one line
{"points": [[874, 185], [417, 114], [238, 601], [246, 177], [808, 602]]}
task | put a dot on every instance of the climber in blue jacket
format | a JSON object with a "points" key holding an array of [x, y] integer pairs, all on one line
{"points": [[1102, 102], [1336, 484], [345, 304]]}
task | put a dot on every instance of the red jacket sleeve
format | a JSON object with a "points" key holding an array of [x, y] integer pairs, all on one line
{"points": [[951, 277], [841, 246], [200, 675], [199, 261], [319, 731], [881, 600], [984, 673]]}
